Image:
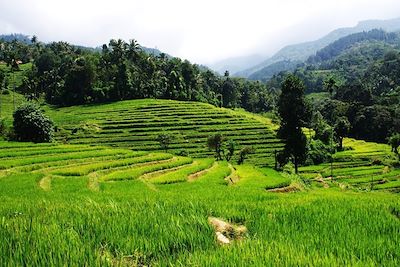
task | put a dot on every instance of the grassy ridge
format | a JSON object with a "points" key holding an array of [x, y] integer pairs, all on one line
{"points": [[136, 125]]}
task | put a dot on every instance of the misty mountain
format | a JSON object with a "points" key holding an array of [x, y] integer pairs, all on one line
{"points": [[15, 37], [301, 52], [269, 71], [236, 64]]}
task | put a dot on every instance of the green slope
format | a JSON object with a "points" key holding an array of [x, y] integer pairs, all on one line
{"points": [[135, 124]]}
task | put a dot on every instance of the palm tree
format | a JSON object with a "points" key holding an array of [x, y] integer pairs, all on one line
{"points": [[133, 49]]}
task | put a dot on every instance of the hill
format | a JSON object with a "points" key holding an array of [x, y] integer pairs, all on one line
{"points": [[301, 52], [136, 124], [336, 48]]}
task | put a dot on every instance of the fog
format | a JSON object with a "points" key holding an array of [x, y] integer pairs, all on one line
{"points": [[201, 31]]}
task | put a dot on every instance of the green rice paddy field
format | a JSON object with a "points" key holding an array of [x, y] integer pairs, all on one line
{"points": [[110, 197]]}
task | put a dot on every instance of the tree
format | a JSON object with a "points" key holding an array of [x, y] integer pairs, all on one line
{"points": [[394, 142], [243, 153], [293, 112], [2, 78], [330, 85], [323, 131], [214, 142], [31, 125], [164, 140], [342, 128], [229, 150], [79, 82], [229, 92]]}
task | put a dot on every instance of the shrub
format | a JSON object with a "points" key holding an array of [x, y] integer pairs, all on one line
{"points": [[215, 142], [164, 140], [2, 127], [318, 153], [30, 124], [182, 153], [244, 152]]}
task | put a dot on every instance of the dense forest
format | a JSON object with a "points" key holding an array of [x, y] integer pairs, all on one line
{"points": [[359, 73], [69, 75]]}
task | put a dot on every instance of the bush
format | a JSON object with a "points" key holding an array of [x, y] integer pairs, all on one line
{"points": [[244, 152], [2, 127], [182, 153], [318, 153], [30, 124]]}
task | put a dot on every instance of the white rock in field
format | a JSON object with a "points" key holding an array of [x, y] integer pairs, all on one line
{"points": [[222, 239], [227, 233]]}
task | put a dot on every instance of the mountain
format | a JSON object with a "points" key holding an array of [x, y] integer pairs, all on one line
{"points": [[301, 52], [269, 71], [236, 64], [364, 56], [15, 36], [337, 47], [154, 51]]}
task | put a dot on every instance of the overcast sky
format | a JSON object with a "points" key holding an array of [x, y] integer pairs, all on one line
{"points": [[202, 31]]}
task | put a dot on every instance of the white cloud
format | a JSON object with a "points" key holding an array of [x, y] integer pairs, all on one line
{"points": [[201, 31]]}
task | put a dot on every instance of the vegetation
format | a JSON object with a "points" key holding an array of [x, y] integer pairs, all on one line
{"points": [[128, 202], [136, 124], [164, 140], [360, 72], [69, 75], [30, 124], [161, 217], [215, 143], [293, 113], [394, 142], [244, 152]]}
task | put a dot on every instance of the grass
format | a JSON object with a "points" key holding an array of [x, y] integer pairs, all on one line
{"points": [[162, 220]]}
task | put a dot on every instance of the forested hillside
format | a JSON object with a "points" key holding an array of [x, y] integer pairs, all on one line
{"points": [[360, 73], [301, 52], [69, 75]]}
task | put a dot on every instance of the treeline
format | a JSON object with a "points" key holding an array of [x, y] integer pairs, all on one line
{"points": [[68, 75]]}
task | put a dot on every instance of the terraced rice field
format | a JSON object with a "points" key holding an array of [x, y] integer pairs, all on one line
{"points": [[101, 206], [97, 164], [136, 125], [361, 166]]}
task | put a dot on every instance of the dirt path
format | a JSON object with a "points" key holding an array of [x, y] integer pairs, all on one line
{"points": [[286, 189], [194, 176], [322, 181], [233, 178]]}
